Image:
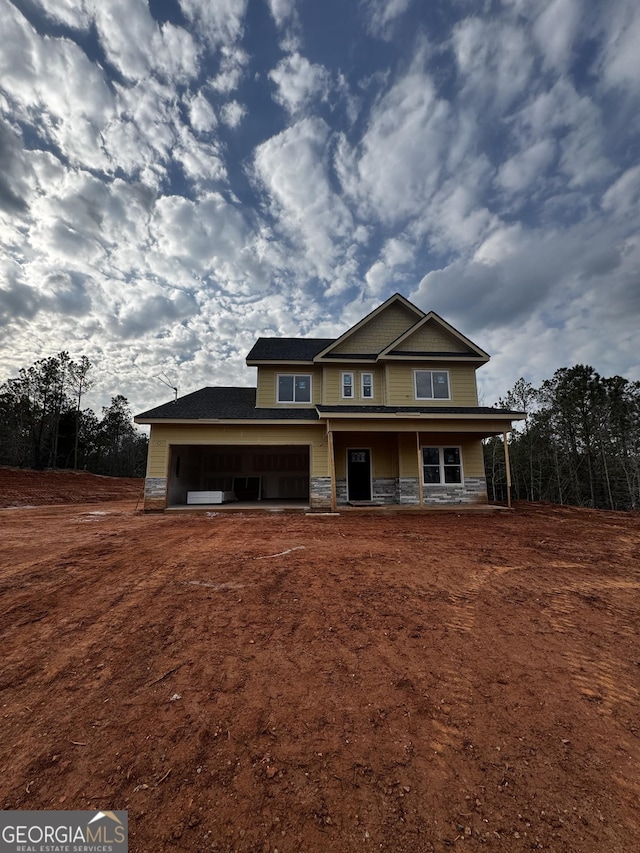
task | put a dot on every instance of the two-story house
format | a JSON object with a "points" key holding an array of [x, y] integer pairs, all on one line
{"points": [[385, 414]]}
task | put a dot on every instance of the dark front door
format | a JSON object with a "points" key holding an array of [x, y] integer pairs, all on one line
{"points": [[359, 475]]}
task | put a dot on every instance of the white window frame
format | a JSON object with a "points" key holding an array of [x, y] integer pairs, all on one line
{"points": [[295, 402], [415, 384], [362, 386], [343, 385], [442, 466]]}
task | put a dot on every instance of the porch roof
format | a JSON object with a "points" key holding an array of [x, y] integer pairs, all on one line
{"points": [[377, 411]]}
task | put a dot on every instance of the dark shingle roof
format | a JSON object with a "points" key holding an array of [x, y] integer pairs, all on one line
{"points": [[224, 404], [288, 349]]}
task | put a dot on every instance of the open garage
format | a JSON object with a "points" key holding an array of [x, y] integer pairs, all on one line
{"points": [[210, 474]]}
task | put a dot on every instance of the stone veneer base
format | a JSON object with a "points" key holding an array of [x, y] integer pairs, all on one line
{"points": [[155, 494]]}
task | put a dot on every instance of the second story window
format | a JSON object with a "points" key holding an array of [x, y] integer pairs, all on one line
{"points": [[347, 384], [294, 388], [367, 385], [432, 384]]}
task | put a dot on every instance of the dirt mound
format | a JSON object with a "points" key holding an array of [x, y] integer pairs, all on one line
{"points": [[22, 487], [252, 683]]}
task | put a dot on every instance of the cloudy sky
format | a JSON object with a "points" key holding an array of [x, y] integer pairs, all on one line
{"points": [[178, 177]]}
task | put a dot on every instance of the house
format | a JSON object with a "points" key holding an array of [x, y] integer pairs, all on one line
{"points": [[385, 414]]}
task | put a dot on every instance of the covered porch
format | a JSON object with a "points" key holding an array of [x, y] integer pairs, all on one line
{"points": [[409, 464]]}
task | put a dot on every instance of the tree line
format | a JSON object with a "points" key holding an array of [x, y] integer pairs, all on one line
{"points": [[579, 443], [43, 424]]}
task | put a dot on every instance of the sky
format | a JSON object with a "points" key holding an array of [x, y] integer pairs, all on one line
{"points": [[179, 177]]}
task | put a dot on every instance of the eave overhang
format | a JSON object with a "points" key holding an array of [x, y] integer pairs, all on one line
{"points": [[231, 421]]}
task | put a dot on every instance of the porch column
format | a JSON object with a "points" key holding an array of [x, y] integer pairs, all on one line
{"points": [[507, 467], [420, 485], [332, 468]]}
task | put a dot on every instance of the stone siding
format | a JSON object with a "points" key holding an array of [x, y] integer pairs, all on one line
{"points": [[474, 491], [408, 491], [320, 494], [155, 494], [385, 490]]}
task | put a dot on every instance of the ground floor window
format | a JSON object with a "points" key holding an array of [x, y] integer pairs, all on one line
{"points": [[441, 465]]}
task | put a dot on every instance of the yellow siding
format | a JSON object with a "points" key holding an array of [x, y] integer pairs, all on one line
{"points": [[401, 391], [384, 456], [431, 338], [165, 435], [407, 455], [379, 332], [332, 385], [266, 395]]}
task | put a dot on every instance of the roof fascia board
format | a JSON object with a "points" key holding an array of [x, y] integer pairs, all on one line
{"points": [[443, 416], [276, 361], [397, 297], [241, 421]]}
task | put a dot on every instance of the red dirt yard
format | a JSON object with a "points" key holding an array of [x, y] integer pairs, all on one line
{"points": [[380, 681]]}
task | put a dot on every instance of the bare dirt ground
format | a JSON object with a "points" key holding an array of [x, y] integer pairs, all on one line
{"points": [[390, 682]]}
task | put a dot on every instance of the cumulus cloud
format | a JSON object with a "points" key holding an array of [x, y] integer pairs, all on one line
{"points": [[232, 113], [380, 15], [294, 169], [298, 82], [201, 114], [282, 10], [232, 68], [555, 31], [495, 61], [219, 21], [522, 170], [136, 44], [397, 166], [620, 60]]}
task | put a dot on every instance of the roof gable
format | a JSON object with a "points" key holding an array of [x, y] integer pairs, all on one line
{"points": [[433, 337], [375, 332]]}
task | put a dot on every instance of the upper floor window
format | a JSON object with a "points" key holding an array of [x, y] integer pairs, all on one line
{"points": [[347, 385], [294, 388], [366, 387], [432, 384]]}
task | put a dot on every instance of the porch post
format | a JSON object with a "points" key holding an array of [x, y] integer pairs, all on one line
{"points": [[332, 468], [420, 486], [507, 467]]}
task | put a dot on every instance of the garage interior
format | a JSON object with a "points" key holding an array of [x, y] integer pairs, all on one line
{"points": [[245, 473]]}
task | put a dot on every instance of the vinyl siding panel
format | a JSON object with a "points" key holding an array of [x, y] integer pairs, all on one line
{"points": [[379, 332], [266, 394], [332, 385], [432, 338], [165, 435], [384, 455], [401, 391]]}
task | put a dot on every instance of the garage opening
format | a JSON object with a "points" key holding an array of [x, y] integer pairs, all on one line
{"points": [[214, 474]]}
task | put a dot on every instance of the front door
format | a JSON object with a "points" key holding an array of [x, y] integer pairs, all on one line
{"points": [[359, 475]]}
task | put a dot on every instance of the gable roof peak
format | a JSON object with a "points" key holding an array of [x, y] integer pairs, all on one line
{"points": [[370, 335]]}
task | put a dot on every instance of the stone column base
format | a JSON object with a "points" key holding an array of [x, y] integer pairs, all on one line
{"points": [[320, 494], [155, 494]]}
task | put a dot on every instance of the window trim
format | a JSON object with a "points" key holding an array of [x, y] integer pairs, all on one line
{"points": [[441, 465], [342, 385], [294, 402], [362, 386], [432, 398]]}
